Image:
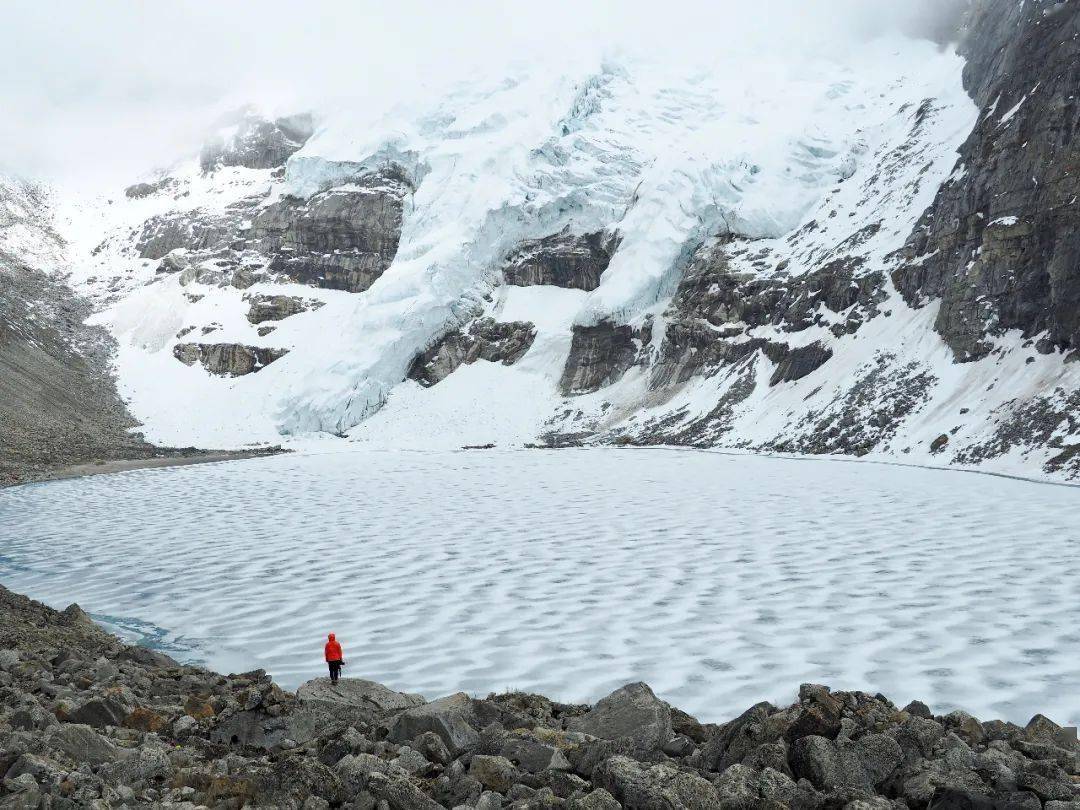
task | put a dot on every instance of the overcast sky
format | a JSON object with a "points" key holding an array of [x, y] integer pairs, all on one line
{"points": [[102, 91]]}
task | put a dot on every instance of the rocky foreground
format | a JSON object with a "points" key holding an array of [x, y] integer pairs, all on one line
{"points": [[86, 720]]}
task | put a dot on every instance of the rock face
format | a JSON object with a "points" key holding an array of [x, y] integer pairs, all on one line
{"points": [[1000, 247], [164, 734], [341, 239], [256, 142], [483, 339], [264, 308], [561, 260], [714, 307], [194, 231], [600, 355], [227, 359]]}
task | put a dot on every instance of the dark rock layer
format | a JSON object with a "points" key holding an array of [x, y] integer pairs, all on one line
{"points": [[341, 239], [227, 359], [562, 260], [262, 308], [600, 355], [483, 339]]}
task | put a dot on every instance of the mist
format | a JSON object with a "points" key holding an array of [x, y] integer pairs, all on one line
{"points": [[101, 93]]}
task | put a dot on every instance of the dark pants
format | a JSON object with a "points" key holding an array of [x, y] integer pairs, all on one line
{"points": [[335, 670]]}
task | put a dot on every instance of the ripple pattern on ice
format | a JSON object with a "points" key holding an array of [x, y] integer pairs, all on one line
{"points": [[720, 580]]}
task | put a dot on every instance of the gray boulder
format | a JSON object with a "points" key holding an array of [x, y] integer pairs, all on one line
{"points": [[371, 698], [598, 799], [533, 755], [400, 793], [864, 764], [448, 717], [743, 787], [83, 744], [99, 713], [640, 787], [356, 770], [31, 716], [630, 712], [493, 772], [735, 741]]}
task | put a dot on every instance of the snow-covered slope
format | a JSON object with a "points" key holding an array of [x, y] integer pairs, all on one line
{"points": [[608, 251]]}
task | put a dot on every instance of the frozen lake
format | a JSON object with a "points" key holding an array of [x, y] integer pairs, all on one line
{"points": [[721, 580]]}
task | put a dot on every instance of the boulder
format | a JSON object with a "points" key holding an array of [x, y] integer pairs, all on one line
{"points": [[734, 741], [864, 763], [31, 716], [919, 709], [144, 763], [493, 772], [371, 700], [355, 771], [8, 659], [598, 799], [411, 761], [533, 755], [400, 793], [99, 713], [146, 657], [83, 744], [640, 787], [433, 748], [448, 717], [630, 712]]}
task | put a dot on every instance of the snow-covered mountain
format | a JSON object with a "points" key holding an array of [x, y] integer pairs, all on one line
{"points": [[824, 260]]}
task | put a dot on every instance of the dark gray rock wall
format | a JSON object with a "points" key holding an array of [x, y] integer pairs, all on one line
{"points": [[600, 355], [714, 307], [1000, 247], [483, 339], [341, 239], [191, 230], [227, 359], [262, 308], [562, 260]]}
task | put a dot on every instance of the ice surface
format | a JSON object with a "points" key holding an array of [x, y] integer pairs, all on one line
{"points": [[721, 580]]}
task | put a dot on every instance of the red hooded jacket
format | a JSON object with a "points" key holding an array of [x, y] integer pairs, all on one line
{"points": [[333, 649]]}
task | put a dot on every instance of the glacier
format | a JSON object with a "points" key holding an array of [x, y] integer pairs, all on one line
{"points": [[801, 161]]}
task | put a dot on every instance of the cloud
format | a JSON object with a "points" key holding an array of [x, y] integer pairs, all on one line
{"points": [[101, 92]]}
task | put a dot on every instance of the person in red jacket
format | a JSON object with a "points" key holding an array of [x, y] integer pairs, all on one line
{"points": [[333, 657]]}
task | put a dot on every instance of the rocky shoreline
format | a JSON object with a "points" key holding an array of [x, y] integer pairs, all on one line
{"points": [[87, 721], [161, 457]]}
